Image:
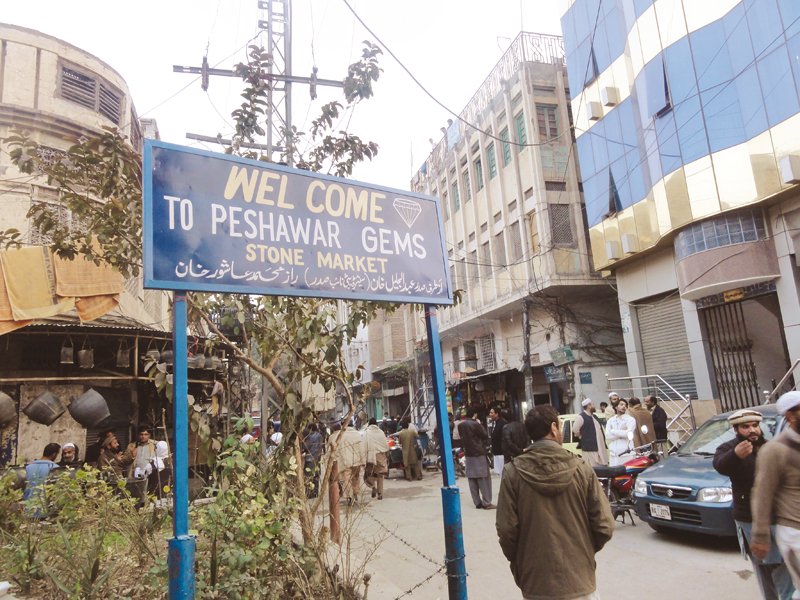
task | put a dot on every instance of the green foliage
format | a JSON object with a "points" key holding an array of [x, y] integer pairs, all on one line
{"points": [[92, 545], [99, 180]]}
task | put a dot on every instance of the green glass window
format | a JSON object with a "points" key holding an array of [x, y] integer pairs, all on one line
{"points": [[522, 134], [506, 147], [490, 156], [479, 173], [467, 188], [456, 202]]}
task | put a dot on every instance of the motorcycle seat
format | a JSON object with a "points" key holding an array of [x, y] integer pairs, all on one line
{"points": [[605, 472]]}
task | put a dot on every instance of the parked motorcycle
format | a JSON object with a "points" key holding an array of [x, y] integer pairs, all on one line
{"points": [[459, 461], [618, 481]]}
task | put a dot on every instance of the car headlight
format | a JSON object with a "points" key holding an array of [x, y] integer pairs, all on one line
{"points": [[640, 487], [715, 494]]}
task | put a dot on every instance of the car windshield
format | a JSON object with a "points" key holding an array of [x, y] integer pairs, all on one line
{"points": [[712, 434]]}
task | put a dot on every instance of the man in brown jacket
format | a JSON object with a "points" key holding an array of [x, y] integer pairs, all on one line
{"points": [[645, 430], [551, 506], [775, 498]]}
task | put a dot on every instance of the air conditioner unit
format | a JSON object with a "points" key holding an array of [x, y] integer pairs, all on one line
{"points": [[790, 168], [609, 96], [594, 110], [612, 250], [630, 243]]}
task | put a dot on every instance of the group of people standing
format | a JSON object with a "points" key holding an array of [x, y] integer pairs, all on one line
{"points": [[629, 425], [143, 460]]}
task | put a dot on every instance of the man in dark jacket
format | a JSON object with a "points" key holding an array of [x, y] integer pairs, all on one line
{"points": [[737, 460], [552, 516], [498, 423], [515, 440], [659, 417], [474, 439]]}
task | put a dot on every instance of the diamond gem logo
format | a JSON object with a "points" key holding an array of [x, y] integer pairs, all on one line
{"points": [[408, 210]]}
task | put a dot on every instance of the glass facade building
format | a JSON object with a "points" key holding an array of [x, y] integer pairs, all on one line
{"points": [[687, 126], [683, 109]]}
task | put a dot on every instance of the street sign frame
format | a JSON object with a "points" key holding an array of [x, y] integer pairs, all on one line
{"points": [[268, 197]]}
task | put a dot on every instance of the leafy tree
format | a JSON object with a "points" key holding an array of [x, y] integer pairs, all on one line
{"points": [[294, 339]]}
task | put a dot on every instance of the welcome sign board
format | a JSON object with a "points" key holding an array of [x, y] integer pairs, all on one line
{"points": [[214, 222]]}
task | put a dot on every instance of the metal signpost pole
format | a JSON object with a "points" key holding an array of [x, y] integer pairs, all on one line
{"points": [[451, 502], [180, 559]]}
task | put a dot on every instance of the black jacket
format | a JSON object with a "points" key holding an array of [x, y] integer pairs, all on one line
{"points": [[473, 437], [515, 440], [659, 422], [497, 436], [741, 472]]}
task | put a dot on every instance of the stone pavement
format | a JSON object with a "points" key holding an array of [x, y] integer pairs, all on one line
{"points": [[406, 534]]}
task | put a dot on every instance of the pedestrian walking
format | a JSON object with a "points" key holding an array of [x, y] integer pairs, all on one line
{"points": [[377, 458], [619, 433], [776, 492], [474, 439], [498, 423], [591, 439], [351, 456], [408, 437], [737, 459], [552, 516]]}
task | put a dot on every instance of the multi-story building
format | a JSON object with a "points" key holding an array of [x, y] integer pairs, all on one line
{"points": [[57, 93], [510, 193], [687, 119]]}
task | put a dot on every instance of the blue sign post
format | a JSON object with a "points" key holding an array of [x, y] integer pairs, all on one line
{"points": [[218, 223]]}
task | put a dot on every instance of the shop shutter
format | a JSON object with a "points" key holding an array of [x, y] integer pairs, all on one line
{"points": [[665, 346]]}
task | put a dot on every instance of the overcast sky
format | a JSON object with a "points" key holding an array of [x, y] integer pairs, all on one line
{"points": [[449, 45]]}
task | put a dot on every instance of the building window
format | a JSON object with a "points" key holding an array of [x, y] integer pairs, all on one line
{"points": [[467, 189], [497, 217], [479, 173], [492, 158], [499, 250], [547, 119], [471, 237], [512, 206], [534, 233], [561, 225], [506, 147], [515, 242], [473, 266], [486, 353], [484, 227], [445, 206], [90, 92], [456, 202], [461, 268], [555, 186], [522, 134], [456, 358], [725, 230], [486, 260], [470, 356], [453, 281]]}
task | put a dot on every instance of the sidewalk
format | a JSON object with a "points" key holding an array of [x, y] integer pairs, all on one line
{"points": [[637, 563]]}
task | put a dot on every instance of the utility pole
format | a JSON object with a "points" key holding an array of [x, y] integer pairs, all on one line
{"points": [[526, 360], [277, 23]]}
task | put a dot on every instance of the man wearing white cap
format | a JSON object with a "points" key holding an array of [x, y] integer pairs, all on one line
{"points": [[737, 460], [611, 409], [589, 431], [776, 492]]}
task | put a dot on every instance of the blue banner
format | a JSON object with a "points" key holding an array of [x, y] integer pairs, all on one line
{"points": [[218, 223]]}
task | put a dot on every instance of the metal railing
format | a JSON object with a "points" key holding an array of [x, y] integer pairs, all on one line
{"points": [[770, 397], [680, 416]]}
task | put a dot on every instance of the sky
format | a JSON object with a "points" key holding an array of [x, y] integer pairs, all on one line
{"points": [[450, 46]]}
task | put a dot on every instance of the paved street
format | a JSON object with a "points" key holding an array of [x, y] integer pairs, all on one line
{"points": [[637, 563]]}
